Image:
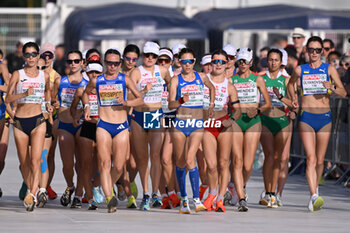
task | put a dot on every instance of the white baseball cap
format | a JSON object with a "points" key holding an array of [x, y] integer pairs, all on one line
{"points": [[298, 32], [94, 67], [244, 53], [177, 48], [284, 57], [166, 52], [84, 53], [206, 59], [151, 47], [230, 50]]}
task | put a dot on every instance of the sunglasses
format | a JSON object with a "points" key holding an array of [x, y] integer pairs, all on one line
{"points": [[150, 54], [76, 61], [326, 49], [312, 50], [189, 61], [131, 59], [45, 55], [113, 63], [28, 55], [243, 61], [231, 57], [164, 60], [217, 61], [41, 67], [94, 58]]}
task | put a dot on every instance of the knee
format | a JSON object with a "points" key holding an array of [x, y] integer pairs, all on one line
{"points": [[212, 167], [155, 158], [106, 164], [190, 164], [223, 165], [237, 163], [311, 162], [166, 162]]}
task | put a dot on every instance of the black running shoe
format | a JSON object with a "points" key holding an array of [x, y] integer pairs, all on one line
{"points": [[242, 206], [112, 204], [42, 199], [66, 197], [76, 203]]}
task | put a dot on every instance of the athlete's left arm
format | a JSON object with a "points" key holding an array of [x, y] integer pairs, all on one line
{"points": [[165, 74], [211, 88], [262, 88], [234, 101], [339, 90], [5, 74], [48, 106], [284, 99], [138, 101]]}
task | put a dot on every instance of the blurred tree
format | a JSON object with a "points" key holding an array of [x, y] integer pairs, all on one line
{"points": [[20, 3]]}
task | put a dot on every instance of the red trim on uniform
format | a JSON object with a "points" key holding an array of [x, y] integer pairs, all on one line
{"points": [[216, 131]]}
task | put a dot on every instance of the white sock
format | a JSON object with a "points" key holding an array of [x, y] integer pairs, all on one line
{"points": [[213, 192], [171, 193], [42, 190], [314, 196], [164, 195]]}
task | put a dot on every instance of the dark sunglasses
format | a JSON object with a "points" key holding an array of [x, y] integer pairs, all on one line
{"points": [[189, 61], [131, 59], [76, 61], [243, 61], [326, 49], [218, 61], [150, 54], [45, 55], [94, 58], [231, 57], [113, 63], [41, 67], [28, 55], [312, 50], [165, 60]]}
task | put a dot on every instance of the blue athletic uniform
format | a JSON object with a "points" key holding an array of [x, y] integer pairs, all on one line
{"points": [[66, 93], [311, 84], [107, 91]]}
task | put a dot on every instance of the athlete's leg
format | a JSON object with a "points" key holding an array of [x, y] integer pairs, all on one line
{"points": [[51, 157], [156, 141], [67, 149], [237, 160], [225, 144], [284, 161], [322, 139], [210, 154], [251, 140]]}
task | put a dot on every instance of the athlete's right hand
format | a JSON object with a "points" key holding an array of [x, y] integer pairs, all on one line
{"points": [[55, 104], [252, 112], [186, 97], [87, 114], [295, 103], [30, 91]]}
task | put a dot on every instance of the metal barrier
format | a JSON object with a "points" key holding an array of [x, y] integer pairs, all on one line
{"points": [[338, 151]]}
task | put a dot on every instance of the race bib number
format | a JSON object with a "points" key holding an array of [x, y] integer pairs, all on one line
{"points": [[108, 94], [247, 92], [313, 84], [93, 105], [196, 95]]}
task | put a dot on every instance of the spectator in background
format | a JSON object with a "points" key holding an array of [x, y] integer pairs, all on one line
{"points": [[343, 68], [206, 64], [328, 46], [15, 61], [262, 66], [298, 41], [333, 59], [292, 62], [60, 63], [280, 42]]}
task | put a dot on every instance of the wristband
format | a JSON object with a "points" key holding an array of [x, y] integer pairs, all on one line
{"points": [[86, 105], [281, 97], [211, 104], [258, 110], [235, 102], [181, 100]]}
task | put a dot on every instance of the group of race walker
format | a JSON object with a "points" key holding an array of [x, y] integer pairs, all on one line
{"points": [[110, 116]]}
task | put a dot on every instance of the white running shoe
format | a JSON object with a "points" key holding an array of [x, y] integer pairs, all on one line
{"points": [[279, 200], [272, 202], [265, 200], [198, 204], [184, 208]]}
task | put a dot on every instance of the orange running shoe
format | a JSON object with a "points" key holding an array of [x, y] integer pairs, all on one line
{"points": [[52, 194], [209, 202], [220, 206], [175, 200], [202, 191], [166, 203]]}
